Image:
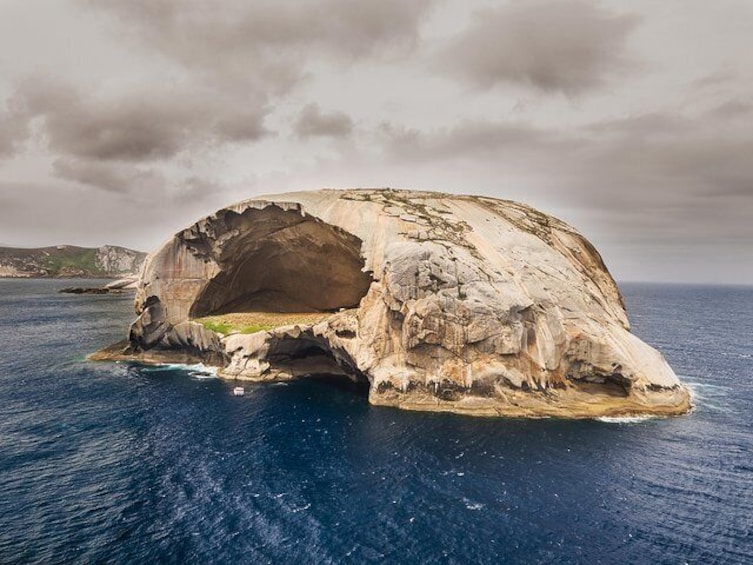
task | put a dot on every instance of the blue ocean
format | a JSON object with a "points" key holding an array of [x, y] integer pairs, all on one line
{"points": [[116, 463]]}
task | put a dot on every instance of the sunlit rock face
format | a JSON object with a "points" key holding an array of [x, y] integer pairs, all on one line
{"points": [[435, 302]]}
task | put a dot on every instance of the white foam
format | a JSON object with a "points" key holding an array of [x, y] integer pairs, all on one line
{"points": [[196, 370], [696, 387], [626, 419], [470, 505], [703, 394]]}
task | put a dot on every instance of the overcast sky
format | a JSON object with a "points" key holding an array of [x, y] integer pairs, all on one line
{"points": [[123, 121]]}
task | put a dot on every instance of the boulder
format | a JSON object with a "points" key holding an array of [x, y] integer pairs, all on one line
{"points": [[437, 302]]}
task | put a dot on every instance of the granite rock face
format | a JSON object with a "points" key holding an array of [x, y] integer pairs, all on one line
{"points": [[116, 260], [438, 302]]}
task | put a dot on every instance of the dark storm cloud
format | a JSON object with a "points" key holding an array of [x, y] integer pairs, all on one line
{"points": [[313, 122], [264, 44], [569, 46], [133, 126]]}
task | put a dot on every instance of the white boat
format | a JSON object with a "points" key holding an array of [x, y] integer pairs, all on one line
{"points": [[239, 391]]}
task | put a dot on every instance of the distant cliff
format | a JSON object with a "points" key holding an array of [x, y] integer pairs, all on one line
{"points": [[69, 261]]}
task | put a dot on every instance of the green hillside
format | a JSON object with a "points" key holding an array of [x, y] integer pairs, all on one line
{"points": [[69, 261]]}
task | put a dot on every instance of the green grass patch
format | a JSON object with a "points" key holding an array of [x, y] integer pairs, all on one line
{"points": [[216, 326], [253, 322], [225, 327], [72, 259]]}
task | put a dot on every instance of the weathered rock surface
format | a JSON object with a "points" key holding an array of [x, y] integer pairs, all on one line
{"points": [[439, 302]]}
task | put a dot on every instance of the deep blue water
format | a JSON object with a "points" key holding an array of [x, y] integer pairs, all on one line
{"points": [[116, 463]]}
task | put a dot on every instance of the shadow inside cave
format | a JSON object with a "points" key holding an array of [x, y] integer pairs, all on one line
{"points": [[283, 261]]}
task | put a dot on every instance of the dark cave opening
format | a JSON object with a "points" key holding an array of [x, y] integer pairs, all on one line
{"points": [[312, 357], [283, 261]]}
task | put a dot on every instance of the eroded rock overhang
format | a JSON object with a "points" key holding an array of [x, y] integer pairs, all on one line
{"points": [[269, 259], [276, 260]]}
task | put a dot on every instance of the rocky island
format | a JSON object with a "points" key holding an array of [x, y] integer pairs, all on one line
{"points": [[437, 302]]}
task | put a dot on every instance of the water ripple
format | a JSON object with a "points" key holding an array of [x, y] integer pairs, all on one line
{"points": [[107, 462]]}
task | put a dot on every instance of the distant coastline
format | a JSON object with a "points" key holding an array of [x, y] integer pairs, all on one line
{"points": [[70, 262]]}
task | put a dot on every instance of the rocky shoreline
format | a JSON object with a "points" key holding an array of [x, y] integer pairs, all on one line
{"points": [[444, 396]]}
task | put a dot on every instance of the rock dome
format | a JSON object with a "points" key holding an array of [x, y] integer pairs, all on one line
{"points": [[433, 301]]}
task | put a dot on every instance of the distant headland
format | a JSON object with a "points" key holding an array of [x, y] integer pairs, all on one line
{"points": [[70, 261]]}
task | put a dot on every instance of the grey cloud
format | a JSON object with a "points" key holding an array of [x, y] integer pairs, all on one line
{"points": [[14, 128], [666, 178], [136, 182], [676, 187], [198, 187], [156, 91], [650, 124], [713, 80], [135, 126], [554, 46], [313, 122], [239, 125], [680, 155], [733, 108], [113, 177], [470, 139], [234, 58], [39, 214], [263, 44]]}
